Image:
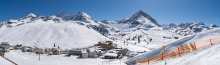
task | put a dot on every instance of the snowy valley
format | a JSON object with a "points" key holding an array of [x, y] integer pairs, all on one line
{"points": [[140, 34]]}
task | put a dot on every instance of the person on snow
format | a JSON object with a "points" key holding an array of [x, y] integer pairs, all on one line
{"points": [[150, 39]]}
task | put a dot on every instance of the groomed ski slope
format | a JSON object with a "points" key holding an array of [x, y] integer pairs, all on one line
{"points": [[206, 56], [45, 34]]}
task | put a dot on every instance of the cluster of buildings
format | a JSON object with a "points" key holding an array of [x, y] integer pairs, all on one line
{"points": [[105, 50]]}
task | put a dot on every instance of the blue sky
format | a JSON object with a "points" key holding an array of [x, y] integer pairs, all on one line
{"points": [[163, 11]]}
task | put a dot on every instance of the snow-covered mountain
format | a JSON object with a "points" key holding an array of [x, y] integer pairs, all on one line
{"points": [[65, 15], [109, 22], [188, 28], [123, 20], [169, 26], [137, 33], [81, 18], [126, 29], [192, 28], [141, 17]]}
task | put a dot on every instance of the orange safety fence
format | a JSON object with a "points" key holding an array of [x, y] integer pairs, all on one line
{"points": [[179, 51]]}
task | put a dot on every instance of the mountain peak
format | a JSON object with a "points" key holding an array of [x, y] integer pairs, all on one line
{"points": [[123, 20], [201, 23], [140, 11], [141, 17], [81, 16], [31, 15], [81, 12], [64, 12], [169, 26]]}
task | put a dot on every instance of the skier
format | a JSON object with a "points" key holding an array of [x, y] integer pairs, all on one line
{"points": [[150, 39]]}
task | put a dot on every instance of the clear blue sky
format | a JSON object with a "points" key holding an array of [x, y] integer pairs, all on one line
{"points": [[164, 11]]}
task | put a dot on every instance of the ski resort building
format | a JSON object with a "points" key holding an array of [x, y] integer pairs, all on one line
{"points": [[40, 51], [27, 48], [4, 46], [84, 54], [64, 51], [107, 44], [54, 50], [75, 52], [93, 54], [112, 55], [18, 46]]}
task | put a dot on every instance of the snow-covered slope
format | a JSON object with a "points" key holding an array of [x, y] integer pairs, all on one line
{"points": [[183, 41], [45, 34], [206, 56]]}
